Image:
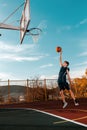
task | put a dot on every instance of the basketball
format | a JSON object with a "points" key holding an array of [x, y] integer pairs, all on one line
{"points": [[58, 49]]}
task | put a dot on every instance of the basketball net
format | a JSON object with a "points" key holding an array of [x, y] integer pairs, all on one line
{"points": [[35, 38]]}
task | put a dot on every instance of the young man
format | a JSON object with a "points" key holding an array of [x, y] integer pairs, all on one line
{"points": [[62, 82]]}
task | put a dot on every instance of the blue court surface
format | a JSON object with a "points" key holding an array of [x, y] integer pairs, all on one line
{"points": [[30, 119]]}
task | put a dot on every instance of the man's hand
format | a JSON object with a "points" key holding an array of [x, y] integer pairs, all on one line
{"points": [[61, 52], [72, 84]]}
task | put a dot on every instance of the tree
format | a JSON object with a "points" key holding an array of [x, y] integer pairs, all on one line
{"points": [[80, 85], [86, 73]]}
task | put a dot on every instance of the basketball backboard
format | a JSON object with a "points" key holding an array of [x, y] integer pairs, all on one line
{"points": [[25, 20]]}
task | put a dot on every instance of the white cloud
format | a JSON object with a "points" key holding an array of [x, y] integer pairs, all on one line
{"points": [[69, 27], [64, 28], [84, 21], [52, 77], [83, 46], [77, 73], [83, 43], [12, 57], [47, 65], [49, 77], [81, 64], [20, 52], [27, 58], [6, 76], [4, 4], [83, 54], [42, 77], [15, 48], [79, 70]]}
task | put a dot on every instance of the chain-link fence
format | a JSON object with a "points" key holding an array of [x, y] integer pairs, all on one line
{"points": [[16, 91]]}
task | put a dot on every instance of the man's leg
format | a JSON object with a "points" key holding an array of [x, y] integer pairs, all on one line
{"points": [[72, 94], [63, 98], [73, 97]]}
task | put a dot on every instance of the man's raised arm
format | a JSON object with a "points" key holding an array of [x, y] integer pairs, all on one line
{"points": [[60, 58]]}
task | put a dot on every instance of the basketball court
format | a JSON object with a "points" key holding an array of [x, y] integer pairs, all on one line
{"points": [[44, 115], [35, 119]]}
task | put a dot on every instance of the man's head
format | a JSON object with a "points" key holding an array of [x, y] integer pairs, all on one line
{"points": [[66, 63]]}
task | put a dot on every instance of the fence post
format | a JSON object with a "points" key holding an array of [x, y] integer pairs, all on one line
{"points": [[8, 91], [27, 94], [33, 90], [45, 89]]}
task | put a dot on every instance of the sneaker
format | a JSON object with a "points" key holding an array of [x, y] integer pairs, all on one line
{"points": [[76, 103], [65, 104]]}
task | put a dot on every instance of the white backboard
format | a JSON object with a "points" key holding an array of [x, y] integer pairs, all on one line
{"points": [[25, 20]]}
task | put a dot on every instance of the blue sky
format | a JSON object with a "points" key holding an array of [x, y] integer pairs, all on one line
{"points": [[64, 23]]}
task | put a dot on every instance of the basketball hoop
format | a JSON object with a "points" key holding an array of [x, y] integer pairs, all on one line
{"points": [[35, 33]]}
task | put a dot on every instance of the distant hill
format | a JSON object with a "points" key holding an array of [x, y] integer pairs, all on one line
{"points": [[15, 91]]}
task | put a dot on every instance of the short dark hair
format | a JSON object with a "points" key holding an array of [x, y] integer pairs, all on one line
{"points": [[67, 63]]}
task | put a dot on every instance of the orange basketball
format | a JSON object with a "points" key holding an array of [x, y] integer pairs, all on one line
{"points": [[58, 49]]}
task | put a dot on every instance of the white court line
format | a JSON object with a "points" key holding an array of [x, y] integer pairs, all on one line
{"points": [[76, 119], [63, 118]]}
